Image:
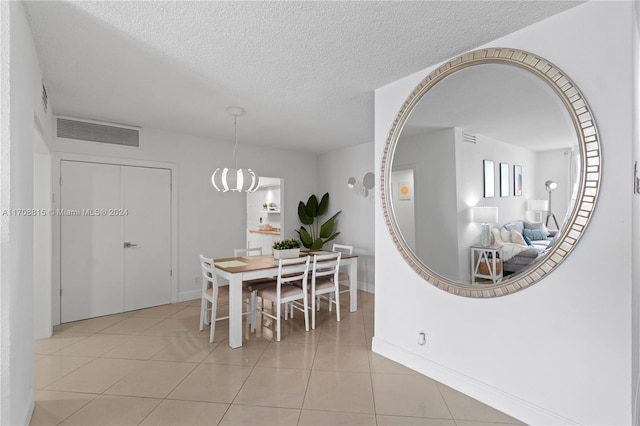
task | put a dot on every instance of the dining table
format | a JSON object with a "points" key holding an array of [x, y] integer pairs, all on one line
{"points": [[244, 268]]}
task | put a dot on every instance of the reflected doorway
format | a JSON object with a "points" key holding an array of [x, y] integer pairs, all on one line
{"points": [[265, 218]]}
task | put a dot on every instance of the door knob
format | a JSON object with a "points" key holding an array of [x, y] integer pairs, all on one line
{"points": [[127, 244]]}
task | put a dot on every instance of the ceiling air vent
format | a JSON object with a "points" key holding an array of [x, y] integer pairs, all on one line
{"points": [[93, 132], [468, 138]]}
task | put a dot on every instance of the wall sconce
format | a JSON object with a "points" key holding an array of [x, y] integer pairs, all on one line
{"points": [[485, 216], [362, 188]]}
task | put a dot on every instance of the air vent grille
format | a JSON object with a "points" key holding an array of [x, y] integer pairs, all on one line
{"points": [[468, 138], [92, 132]]}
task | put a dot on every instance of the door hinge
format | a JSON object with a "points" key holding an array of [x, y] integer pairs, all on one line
{"points": [[61, 292], [60, 180], [170, 272]]}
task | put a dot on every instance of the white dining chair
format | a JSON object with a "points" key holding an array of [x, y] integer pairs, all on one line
{"points": [[214, 294], [324, 281], [343, 276], [249, 251], [256, 284], [285, 292]]}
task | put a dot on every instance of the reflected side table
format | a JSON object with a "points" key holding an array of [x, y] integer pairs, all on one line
{"points": [[486, 264]]}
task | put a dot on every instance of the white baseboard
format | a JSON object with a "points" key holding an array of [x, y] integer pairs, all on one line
{"points": [[189, 295], [496, 398], [368, 287], [29, 408]]}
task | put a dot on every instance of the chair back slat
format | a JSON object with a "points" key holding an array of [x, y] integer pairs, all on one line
{"points": [[249, 251], [343, 248], [326, 265], [292, 270], [209, 278]]}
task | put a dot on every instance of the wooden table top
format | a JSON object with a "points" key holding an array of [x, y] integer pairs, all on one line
{"points": [[255, 263]]}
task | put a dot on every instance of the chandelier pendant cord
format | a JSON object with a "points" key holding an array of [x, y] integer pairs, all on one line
{"points": [[235, 147]]}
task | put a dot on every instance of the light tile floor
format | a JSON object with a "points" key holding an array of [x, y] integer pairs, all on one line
{"points": [[154, 367]]}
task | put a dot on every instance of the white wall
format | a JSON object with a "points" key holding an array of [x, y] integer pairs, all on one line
{"points": [[209, 222], [404, 210], [356, 222], [470, 189], [21, 85], [42, 247], [431, 154], [470, 174], [560, 351], [555, 165], [636, 221]]}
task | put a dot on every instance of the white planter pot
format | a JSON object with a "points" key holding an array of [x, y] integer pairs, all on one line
{"points": [[286, 254]]}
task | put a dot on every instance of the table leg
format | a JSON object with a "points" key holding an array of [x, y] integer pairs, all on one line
{"points": [[353, 285], [235, 311]]}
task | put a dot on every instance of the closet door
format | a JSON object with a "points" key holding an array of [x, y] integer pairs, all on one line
{"points": [[90, 245], [115, 239], [147, 237]]}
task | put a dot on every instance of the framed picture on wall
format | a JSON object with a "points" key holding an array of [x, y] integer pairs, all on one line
{"points": [[489, 179], [504, 180], [517, 180], [404, 191]]}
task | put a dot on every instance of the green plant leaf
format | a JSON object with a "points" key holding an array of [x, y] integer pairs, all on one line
{"points": [[316, 235], [305, 237], [289, 243], [331, 237], [303, 214], [327, 228], [317, 244], [312, 206], [324, 204]]}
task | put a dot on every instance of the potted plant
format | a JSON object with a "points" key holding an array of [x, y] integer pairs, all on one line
{"points": [[264, 206], [286, 249], [317, 235]]}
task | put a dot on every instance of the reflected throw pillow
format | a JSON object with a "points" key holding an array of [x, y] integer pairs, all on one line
{"points": [[536, 225], [505, 235], [535, 234], [496, 236], [517, 238]]}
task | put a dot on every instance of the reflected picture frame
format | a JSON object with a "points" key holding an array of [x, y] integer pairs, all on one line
{"points": [[489, 179], [504, 180], [517, 180]]}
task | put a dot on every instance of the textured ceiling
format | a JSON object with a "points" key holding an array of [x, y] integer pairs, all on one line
{"points": [[304, 72], [499, 101]]}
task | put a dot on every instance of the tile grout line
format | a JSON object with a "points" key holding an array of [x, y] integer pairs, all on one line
{"points": [[306, 389], [97, 395]]}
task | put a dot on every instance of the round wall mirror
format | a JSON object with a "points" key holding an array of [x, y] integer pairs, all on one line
{"points": [[490, 173]]}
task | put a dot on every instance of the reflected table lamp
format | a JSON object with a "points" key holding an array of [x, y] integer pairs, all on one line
{"points": [[485, 216], [538, 206]]}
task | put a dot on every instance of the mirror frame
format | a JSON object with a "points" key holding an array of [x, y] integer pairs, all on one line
{"points": [[588, 187]]}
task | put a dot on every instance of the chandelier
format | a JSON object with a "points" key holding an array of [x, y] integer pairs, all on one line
{"points": [[237, 180]]}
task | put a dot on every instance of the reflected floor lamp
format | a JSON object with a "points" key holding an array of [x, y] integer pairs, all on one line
{"points": [[550, 186], [485, 216]]}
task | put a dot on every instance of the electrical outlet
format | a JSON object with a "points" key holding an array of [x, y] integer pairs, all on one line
{"points": [[423, 339], [196, 281]]}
